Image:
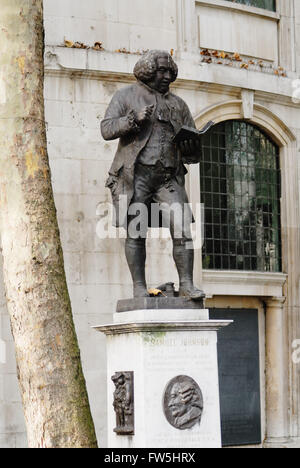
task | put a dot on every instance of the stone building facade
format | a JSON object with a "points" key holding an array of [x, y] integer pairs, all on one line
{"points": [[238, 65]]}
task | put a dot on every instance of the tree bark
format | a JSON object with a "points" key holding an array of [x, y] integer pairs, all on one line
{"points": [[52, 384]]}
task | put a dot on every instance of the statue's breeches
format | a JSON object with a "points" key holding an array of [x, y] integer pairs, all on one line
{"points": [[159, 201]]}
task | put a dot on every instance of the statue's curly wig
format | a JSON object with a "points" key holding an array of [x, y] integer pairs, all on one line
{"points": [[146, 67]]}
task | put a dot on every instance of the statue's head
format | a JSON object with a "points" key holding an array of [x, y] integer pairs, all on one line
{"points": [[157, 69], [183, 402], [183, 397], [118, 379]]}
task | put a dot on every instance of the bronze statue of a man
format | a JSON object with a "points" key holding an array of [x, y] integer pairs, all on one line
{"points": [[148, 167]]}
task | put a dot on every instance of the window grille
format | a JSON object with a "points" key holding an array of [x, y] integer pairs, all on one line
{"points": [[265, 4], [240, 189]]}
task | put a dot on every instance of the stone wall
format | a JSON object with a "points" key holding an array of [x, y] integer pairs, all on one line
{"points": [[132, 25], [79, 84]]}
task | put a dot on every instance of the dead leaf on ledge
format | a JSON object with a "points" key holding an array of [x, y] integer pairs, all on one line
{"points": [[237, 57], [205, 52], [223, 55], [98, 46], [75, 45], [69, 43], [80, 45], [123, 51], [155, 292]]}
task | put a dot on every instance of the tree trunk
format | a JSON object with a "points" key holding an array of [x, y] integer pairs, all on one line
{"points": [[52, 385]]}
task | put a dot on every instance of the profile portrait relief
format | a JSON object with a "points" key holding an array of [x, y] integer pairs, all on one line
{"points": [[183, 402]]}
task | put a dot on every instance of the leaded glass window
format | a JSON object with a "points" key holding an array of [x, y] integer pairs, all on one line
{"points": [[240, 189], [266, 4]]}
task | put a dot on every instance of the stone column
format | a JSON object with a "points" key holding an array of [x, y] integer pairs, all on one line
{"points": [[276, 372], [287, 32], [187, 43]]}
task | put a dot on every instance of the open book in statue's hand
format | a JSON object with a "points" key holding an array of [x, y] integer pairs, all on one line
{"points": [[189, 141], [189, 133]]}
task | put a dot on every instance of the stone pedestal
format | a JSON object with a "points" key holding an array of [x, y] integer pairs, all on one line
{"points": [[173, 355]]}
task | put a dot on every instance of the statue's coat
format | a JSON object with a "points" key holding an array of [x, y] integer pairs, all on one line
{"points": [[118, 124]]}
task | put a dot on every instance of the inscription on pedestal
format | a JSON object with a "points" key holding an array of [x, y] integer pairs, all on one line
{"points": [[124, 403], [183, 402]]}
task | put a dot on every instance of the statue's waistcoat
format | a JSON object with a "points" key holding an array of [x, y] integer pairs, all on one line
{"points": [[133, 142]]}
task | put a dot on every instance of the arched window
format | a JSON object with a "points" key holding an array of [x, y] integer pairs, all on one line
{"points": [[240, 189], [266, 4]]}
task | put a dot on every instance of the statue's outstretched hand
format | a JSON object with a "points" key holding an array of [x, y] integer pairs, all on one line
{"points": [[144, 114]]}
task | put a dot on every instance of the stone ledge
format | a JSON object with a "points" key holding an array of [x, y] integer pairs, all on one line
{"points": [[161, 315], [154, 303], [281, 442], [243, 283], [158, 327], [118, 67]]}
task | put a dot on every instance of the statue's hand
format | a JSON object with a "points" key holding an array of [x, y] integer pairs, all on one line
{"points": [[144, 114], [111, 182], [188, 147]]}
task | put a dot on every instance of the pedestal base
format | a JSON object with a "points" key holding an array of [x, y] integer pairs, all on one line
{"points": [[281, 442], [173, 355]]}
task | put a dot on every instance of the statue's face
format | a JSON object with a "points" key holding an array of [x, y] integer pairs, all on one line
{"points": [[121, 380], [163, 76], [177, 405], [183, 402]]}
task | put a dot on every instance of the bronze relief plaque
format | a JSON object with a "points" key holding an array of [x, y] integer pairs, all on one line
{"points": [[124, 402], [183, 402]]}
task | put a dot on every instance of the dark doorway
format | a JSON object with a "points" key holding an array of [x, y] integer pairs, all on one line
{"points": [[239, 377]]}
